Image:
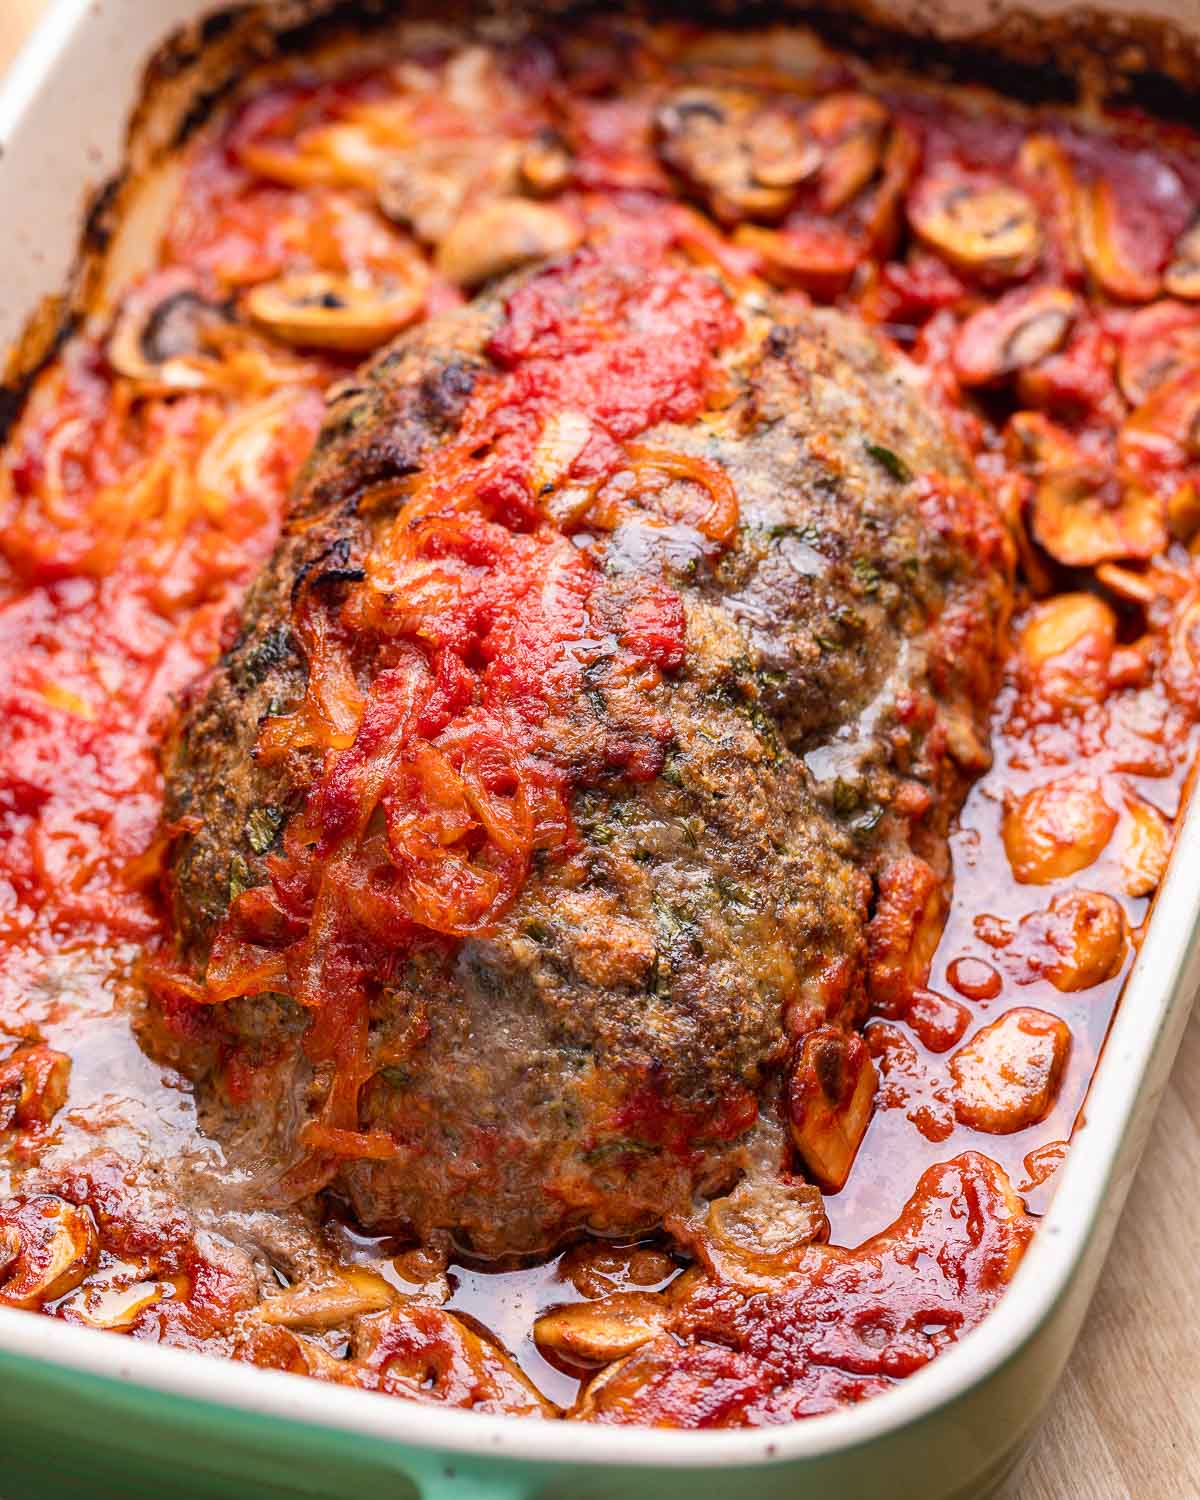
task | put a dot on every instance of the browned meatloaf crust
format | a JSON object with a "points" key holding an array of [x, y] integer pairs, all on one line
{"points": [[596, 1059]]}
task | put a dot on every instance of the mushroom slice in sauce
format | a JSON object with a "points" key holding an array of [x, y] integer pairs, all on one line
{"points": [[545, 164], [978, 223], [318, 310], [831, 1095], [756, 1233], [1163, 434], [500, 235], [1038, 446], [595, 1333], [747, 155], [349, 1292], [1108, 250], [1007, 1076], [161, 336], [1023, 327], [1182, 276], [850, 128], [1082, 518], [818, 258], [47, 1247], [1046, 169], [1160, 342], [33, 1086], [426, 186]]}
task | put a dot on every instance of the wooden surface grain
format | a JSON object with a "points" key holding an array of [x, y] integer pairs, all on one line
{"points": [[1125, 1424]]}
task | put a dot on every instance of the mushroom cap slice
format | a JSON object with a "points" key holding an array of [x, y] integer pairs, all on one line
{"points": [[851, 129], [1075, 520], [47, 1247], [1160, 342], [1163, 434], [819, 258], [500, 235], [1023, 327], [980, 224], [744, 152], [318, 310], [1109, 246], [1182, 276], [161, 335]]}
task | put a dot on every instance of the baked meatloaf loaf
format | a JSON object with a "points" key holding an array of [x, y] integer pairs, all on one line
{"points": [[583, 759]]}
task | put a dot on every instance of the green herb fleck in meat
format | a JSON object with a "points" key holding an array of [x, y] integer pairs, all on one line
{"points": [[892, 462]]}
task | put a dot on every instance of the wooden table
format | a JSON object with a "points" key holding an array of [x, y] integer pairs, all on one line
{"points": [[1125, 1424]]}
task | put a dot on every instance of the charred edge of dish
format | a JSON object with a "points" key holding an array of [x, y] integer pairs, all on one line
{"points": [[1118, 57], [1135, 60]]}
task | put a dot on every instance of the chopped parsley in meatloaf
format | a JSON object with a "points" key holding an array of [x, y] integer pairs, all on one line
{"points": [[624, 635]]}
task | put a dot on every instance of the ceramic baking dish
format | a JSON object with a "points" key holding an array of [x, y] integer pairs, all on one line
{"points": [[107, 1417]]}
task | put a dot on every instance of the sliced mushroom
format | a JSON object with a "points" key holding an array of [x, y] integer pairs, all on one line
{"points": [[318, 310], [47, 1247], [422, 1352], [884, 219], [1145, 847], [850, 129], [1182, 673], [350, 1292], [426, 186], [781, 152], [595, 1333], [33, 1086], [1038, 446], [1183, 512], [277, 1349], [115, 1308], [1159, 343], [1108, 246], [1046, 167], [830, 1097], [1023, 327], [1182, 276], [756, 1233], [1066, 647], [595, 1269], [162, 338], [819, 258], [1163, 434], [1083, 517], [343, 154], [1079, 940], [501, 235], [979, 224], [1057, 829], [745, 154], [1143, 587], [1007, 1076]]}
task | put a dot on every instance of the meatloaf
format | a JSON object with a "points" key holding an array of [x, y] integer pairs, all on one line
{"points": [[693, 589]]}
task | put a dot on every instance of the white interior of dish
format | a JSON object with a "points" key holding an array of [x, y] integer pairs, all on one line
{"points": [[62, 120]]}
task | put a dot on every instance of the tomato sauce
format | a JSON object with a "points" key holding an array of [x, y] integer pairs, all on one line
{"points": [[1018, 255]]}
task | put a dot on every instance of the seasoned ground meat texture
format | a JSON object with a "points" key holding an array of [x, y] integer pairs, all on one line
{"points": [[616, 1040]]}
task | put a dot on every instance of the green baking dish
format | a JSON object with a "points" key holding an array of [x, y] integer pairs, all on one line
{"points": [[105, 1417]]}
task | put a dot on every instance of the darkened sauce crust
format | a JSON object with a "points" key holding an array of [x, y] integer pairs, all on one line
{"points": [[692, 847]]}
